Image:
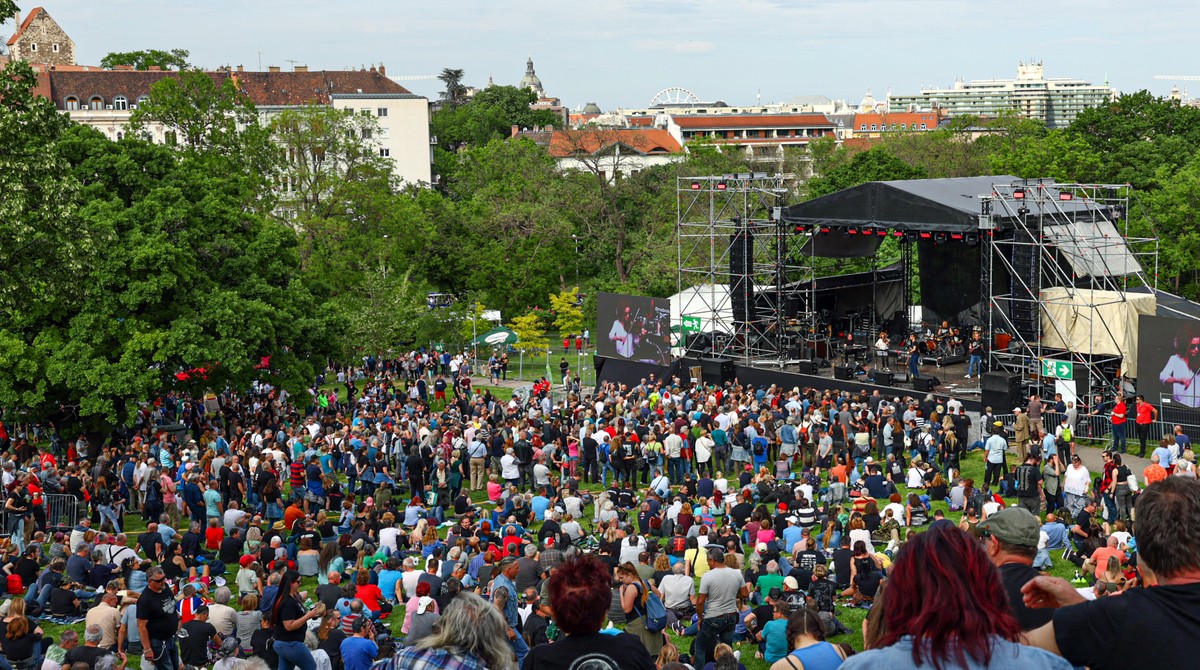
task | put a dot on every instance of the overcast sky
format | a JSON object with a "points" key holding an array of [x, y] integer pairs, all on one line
{"points": [[622, 52]]}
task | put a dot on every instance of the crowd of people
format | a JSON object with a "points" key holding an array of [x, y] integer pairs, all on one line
{"points": [[403, 518]]}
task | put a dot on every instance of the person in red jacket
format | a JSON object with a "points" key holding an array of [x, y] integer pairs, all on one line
{"points": [[1146, 414], [1119, 417]]}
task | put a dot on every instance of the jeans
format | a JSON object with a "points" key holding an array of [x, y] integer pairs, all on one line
{"points": [[913, 361], [294, 655], [107, 512], [520, 649], [1119, 444], [606, 468], [974, 365], [166, 654], [713, 630]]}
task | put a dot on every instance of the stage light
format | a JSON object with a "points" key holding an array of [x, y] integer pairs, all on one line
{"points": [[695, 186], [911, 236], [956, 237], [897, 233], [939, 238], [851, 231], [881, 232], [825, 230], [972, 239], [926, 236], [721, 186], [1018, 194], [801, 228], [1066, 196]]}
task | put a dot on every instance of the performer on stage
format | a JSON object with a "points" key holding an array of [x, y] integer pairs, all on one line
{"points": [[975, 353], [1182, 370], [620, 334], [882, 347], [914, 356]]}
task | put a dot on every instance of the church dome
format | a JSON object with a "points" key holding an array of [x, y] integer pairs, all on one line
{"points": [[530, 80], [591, 108]]}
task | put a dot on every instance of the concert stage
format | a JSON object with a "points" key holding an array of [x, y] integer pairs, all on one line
{"points": [[949, 378]]}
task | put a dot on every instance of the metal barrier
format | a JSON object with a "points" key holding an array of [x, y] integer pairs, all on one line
{"points": [[1098, 427], [62, 511]]}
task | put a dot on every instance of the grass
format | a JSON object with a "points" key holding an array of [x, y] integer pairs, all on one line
{"points": [[972, 467]]}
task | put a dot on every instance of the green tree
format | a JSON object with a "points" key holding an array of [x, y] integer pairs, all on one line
{"points": [[876, 164], [206, 112], [531, 332], [1057, 155], [568, 315], [490, 115], [175, 59], [455, 91]]}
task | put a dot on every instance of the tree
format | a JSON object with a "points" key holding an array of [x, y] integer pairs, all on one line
{"points": [[531, 332], [490, 115], [876, 164], [455, 91], [568, 315], [206, 111], [175, 59]]}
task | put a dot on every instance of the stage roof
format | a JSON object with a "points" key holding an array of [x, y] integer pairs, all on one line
{"points": [[1170, 304], [936, 205]]}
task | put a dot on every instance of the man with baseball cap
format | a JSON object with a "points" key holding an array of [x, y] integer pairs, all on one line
{"points": [[1010, 539]]}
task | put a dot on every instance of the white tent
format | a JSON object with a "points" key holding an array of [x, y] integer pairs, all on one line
{"points": [[1094, 322], [708, 302]]}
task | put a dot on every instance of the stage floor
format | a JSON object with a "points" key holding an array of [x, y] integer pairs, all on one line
{"points": [[951, 378]]}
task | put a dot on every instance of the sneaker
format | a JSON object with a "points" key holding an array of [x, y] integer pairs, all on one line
{"points": [[967, 377]]}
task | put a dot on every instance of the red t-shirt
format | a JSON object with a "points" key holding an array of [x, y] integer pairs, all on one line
{"points": [[213, 537], [1145, 412], [1119, 413]]}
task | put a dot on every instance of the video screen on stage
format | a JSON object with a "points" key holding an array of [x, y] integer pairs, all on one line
{"points": [[1168, 366], [633, 327]]}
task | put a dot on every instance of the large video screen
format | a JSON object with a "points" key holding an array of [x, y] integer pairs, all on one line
{"points": [[633, 328], [1169, 361]]}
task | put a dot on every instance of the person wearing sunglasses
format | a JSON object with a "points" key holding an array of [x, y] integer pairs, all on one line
{"points": [[158, 621]]}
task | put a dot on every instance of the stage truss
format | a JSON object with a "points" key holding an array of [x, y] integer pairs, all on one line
{"points": [[1086, 214], [734, 253]]}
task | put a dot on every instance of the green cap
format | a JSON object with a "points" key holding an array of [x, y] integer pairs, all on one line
{"points": [[1014, 525]]}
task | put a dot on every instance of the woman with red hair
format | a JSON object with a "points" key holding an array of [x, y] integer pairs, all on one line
{"points": [[580, 593], [946, 608]]}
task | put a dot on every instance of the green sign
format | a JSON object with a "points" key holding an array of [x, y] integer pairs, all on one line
{"points": [[1057, 369], [690, 324]]}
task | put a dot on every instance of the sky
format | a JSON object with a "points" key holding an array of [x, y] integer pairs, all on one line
{"points": [[620, 53]]}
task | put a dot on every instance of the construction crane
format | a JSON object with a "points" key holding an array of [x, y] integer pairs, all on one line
{"points": [[1178, 77]]}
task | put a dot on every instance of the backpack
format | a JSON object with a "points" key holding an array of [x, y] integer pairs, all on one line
{"points": [[656, 613], [15, 585]]}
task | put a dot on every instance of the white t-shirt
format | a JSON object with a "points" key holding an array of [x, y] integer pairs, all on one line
{"points": [[1076, 480]]}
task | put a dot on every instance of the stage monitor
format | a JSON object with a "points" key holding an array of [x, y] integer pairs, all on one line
{"points": [[633, 328], [1168, 365]]}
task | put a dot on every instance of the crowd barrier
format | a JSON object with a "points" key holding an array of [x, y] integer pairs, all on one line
{"points": [[1098, 427], [62, 513]]}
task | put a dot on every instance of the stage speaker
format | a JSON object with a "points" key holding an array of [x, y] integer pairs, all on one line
{"points": [[741, 288], [717, 370], [899, 377], [699, 344], [925, 383], [791, 305], [1004, 386], [884, 378], [843, 372], [808, 367]]}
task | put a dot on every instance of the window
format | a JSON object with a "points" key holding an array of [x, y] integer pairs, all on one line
{"points": [[382, 111], [33, 47], [923, 127], [96, 102], [120, 102], [142, 99], [71, 103], [170, 137], [385, 153], [54, 48], [862, 127], [872, 126], [366, 133]]}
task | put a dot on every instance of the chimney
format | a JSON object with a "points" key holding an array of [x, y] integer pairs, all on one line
{"points": [[373, 70], [272, 68], [300, 68], [382, 70], [550, 128], [515, 130], [241, 68], [154, 68]]}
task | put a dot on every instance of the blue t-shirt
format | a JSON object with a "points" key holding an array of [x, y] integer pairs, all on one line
{"points": [[212, 502], [775, 635], [539, 505], [358, 653], [387, 582]]}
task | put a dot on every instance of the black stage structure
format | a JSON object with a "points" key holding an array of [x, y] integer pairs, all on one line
{"points": [[998, 254]]}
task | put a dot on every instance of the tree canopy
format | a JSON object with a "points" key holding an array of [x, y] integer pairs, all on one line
{"points": [[175, 59]]}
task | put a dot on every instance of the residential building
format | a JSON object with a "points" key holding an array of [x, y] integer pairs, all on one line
{"points": [[1055, 102], [876, 125], [763, 136], [106, 99], [610, 153], [39, 39]]}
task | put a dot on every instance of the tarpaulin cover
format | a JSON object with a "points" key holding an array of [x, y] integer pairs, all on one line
{"points": [[1094, 322]]}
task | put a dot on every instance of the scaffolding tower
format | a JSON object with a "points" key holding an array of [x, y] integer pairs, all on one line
{"points": [[1058, 244], [734, 258]]}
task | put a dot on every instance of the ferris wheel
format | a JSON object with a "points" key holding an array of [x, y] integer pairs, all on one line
{"points": [[674, 95]]}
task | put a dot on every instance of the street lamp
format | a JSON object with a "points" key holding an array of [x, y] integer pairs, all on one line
{"points": [[576, 239]]}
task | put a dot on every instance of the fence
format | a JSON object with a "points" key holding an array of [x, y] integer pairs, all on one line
{"points": [[1098, 427], [62, 513]]}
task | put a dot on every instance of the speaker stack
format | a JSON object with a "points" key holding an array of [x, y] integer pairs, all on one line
{"points": [[1001, 391], [882, 378], [717, 370], [808, 367], [925, 383], [843, 372]]}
